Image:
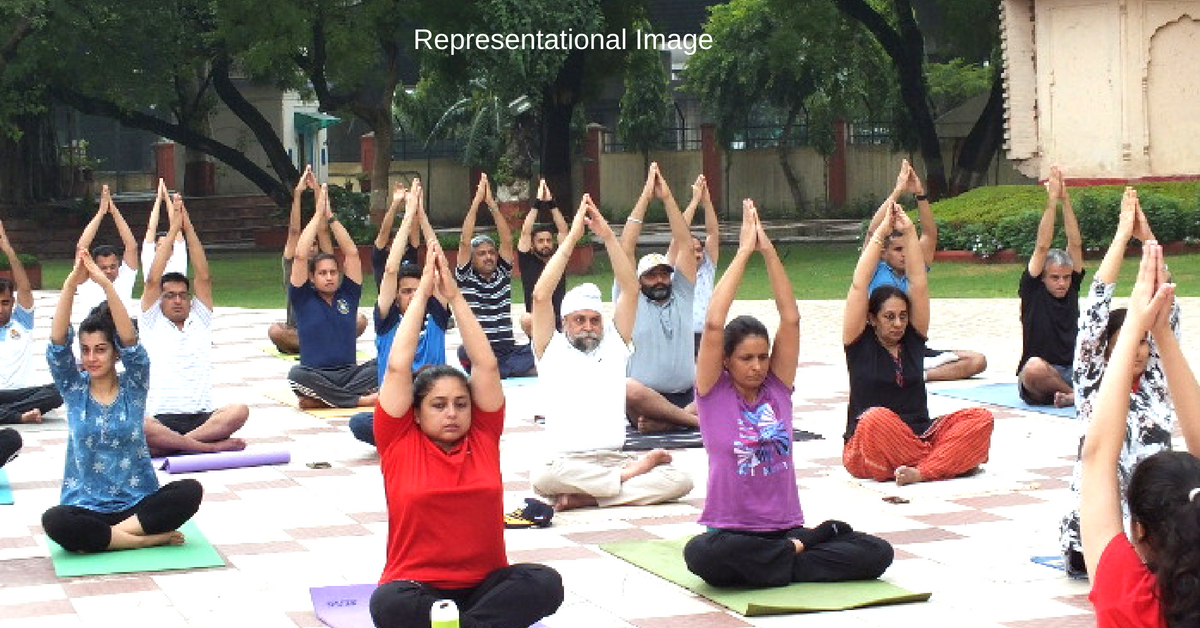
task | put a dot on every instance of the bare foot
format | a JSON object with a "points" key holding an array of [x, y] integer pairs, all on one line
{"points": [[309, 403], [1064, 400], [174, 537], [645, 464], [229, 444], [907, 475], [651, 426], [570, 501], [368, 400], [33, 416]]}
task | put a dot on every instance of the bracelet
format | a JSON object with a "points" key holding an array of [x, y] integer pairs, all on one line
{"points": [[922, 197], [632, 219], [877, 240]]}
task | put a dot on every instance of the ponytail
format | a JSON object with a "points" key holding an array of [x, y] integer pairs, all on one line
{"points": [[1163, 499]]}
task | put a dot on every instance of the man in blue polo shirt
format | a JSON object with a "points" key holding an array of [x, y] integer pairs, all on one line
{"points": [[326, 308], [398, 283]]}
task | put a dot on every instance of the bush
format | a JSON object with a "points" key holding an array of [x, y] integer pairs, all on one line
{"points": [[27, 260]]}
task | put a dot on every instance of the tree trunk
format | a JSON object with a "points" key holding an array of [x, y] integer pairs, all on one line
{"points": [[558, 107], [381, 164], [981, 144], [29, 165], [781, 151]]}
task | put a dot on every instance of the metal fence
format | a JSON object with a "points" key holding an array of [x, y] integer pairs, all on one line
{"points": [[673, 138], [408, 147]]}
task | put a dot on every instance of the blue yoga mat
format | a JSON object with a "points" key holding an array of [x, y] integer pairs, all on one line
{"points": [[6, 496], [1003, 394], [519, 382]]}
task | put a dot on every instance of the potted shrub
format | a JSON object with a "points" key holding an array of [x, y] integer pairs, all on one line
{"points": [[33, 269]]}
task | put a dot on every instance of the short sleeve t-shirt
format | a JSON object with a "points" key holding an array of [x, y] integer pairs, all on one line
{"points": [[874, 381], [531, 270], [490, 300], [1124, 592], [431, 344], [445, 509], [885, 276], [89, 294], [180, 360], [584, 393], [16, 349], [107, 463], [663, 344], [177, 263], [327, 331], [751, 475], [1048, 324], [706, 276]]}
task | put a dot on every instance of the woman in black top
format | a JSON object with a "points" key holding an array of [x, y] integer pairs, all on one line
{"points": [[889, 434]]}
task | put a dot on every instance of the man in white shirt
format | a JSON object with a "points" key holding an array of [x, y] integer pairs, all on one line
{"points": [[19, 402], [582, 373], [121, 269], [176, 329]]}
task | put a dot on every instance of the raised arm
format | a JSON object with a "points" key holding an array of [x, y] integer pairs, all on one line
{"points": [[423, 218], [396, 389], [89, 231], [391, 268], [126, 332], [201, 274], [153, 275], [1110, 266], [504, 239], [625, 307], [542, 315], [914, 269], [884, 211], [307, 182], [560, 223], [1071, 227], [468, 225], [1100, 499], [61, 322], [711, 359], [352, 267], [304, 243], [1045, 232], [855, 319], [785, 350], [680, 236], [929, 229], [389, 217], [486, 392], [712, 225], [689, 213], [127, 240], [1181, 380], [20, 278], [152, 221], [525, 240], [633, 224]]}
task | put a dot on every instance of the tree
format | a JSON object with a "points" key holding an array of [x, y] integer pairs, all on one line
{"points": [[646, 102], [771, 61]]}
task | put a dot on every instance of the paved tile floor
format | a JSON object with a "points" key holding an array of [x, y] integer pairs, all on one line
{"points": [[283, 529]]}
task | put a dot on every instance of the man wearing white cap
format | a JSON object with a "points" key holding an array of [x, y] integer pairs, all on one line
{"points": [[582, 371], [659, 391]]}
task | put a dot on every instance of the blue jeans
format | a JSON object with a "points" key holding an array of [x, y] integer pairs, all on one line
{"points": [[362, 425]]}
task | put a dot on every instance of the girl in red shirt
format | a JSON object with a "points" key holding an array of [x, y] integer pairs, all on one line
{"points": [[438, 435], [1152, 577]]}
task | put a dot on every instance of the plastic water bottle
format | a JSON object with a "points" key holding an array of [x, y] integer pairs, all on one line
{"points": [[444, 614]]}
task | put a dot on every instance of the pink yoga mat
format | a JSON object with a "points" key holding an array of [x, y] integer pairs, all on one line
{"points": [[222, 460], [348, 606]]}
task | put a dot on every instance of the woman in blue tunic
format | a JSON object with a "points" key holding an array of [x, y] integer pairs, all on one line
{"points": [[110, 498]]}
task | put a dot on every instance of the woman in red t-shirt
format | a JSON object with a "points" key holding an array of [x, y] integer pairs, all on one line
{"points": [[1153, 580], [438, 435]]}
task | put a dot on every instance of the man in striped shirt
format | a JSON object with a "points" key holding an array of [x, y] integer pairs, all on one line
{"points": [[484, 273]]}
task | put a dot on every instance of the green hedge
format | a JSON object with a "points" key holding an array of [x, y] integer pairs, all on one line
{"points": [[986, 220]]}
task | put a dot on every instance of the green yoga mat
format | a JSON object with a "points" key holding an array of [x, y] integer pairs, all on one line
{"points": [[664, 558], [6, 496], [194, 553]]}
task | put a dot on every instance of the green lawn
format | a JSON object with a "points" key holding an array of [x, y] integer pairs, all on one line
{"points": [[818, 271]]}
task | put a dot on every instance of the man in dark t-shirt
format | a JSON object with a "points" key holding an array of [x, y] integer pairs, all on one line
{"points": [[534, 248], [1049, 292]]}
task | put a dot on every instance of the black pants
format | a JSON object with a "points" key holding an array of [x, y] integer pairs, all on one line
{"points": [[81, 530], [725, 558], [338, 386], [18, 401], [10, 444], [511, 597]]}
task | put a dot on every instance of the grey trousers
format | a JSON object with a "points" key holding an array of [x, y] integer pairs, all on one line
{"points": [[338, 386]]}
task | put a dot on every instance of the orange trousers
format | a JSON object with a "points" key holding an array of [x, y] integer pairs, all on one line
{"points": [[957, 443]]}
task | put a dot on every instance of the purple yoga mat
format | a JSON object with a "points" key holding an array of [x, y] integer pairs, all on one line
{"points": [[224, 460], [348, 606]]}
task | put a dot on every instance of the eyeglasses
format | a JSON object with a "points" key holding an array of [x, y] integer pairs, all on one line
{"points": [[171, 296]]}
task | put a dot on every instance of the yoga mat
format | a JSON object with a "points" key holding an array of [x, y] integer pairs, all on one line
{"points": [[664, 558], [344, 606], [288, 398], [519, 382], [196, 552], [1001, 394], [1053, 562], [683, 439], [348, 606], [6, 495], [224, 460], [295, 357]]}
